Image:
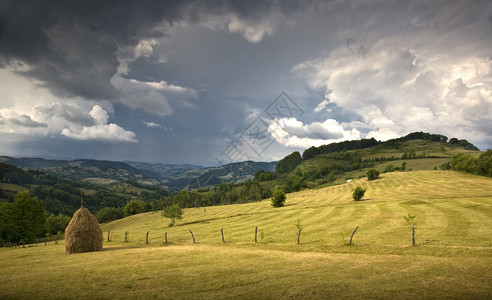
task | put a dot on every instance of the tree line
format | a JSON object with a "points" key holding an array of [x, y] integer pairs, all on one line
{"points": [[465, 162], [25, 220]]}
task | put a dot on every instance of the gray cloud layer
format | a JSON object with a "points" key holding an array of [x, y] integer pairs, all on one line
{"points": [[207, 69]]}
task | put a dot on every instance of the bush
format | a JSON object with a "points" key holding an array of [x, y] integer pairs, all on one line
{"points": [[372, 174], [278, 199], [358, 193], [389, 168]]}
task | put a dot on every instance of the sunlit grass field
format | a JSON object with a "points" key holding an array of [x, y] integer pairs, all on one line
{"points": [[453, 257]]}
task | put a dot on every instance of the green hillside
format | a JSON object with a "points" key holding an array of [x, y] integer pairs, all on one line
{"points": [[451, 209], [453, 217]]}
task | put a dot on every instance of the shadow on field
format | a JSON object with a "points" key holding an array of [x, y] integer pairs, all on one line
{"points": [[119, 248], [362, 200]]}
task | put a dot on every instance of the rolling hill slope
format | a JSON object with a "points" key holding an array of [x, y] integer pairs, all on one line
{"points": [[452, 209]]}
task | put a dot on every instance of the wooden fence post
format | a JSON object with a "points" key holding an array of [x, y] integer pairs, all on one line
{"points": [[192, 236], [126, 235], [352, 235], [413, 235], [165, 236], [299, 235], [222, 233], [147, 238], [256, 234], [109, 232]]}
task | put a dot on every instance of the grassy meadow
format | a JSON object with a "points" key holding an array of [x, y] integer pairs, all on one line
{"points": [[453, 221]]}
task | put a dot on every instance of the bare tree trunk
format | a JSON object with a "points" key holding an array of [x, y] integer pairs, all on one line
{"points": [[222, 233], [256, 234], [352, 235], [299, 235], [192, 236]]}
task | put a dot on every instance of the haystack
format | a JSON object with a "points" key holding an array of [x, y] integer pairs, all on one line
{"points": [[83, 233]]}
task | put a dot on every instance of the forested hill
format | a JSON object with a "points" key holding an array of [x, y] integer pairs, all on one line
{"points": [[365, 143], [174, 177], [64, 196], [86, 169]]}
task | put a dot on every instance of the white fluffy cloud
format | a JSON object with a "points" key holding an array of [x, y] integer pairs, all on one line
{"points": [[101, 130], [34, 111], [145, 47], [152, 124], [293, 133], [395, 91]]}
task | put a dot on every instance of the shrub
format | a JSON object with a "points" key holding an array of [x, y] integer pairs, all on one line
{"points": [[372, 174], [389, 168], [358, 193], [278, 199]]}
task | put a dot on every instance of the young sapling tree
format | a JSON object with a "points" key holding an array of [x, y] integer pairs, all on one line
{"points": [[409, 220]]}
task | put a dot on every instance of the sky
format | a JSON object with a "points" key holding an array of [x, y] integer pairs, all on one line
{"points": [[214, 82]]}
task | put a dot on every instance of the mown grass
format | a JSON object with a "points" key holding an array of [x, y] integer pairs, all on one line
{"points": [[453, 258]]}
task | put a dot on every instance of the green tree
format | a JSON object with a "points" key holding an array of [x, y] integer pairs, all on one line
{"points": [[464, 162], [485, 163], [29, 217], [8, 226], [250, 191], [108, 214], [372, 174], [134, 207], [173, 212], [288, 163], [57, 223], [358, 193], [278, 199]]}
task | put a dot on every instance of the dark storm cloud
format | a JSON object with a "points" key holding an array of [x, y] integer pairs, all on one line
{"points": [[72, 46]]}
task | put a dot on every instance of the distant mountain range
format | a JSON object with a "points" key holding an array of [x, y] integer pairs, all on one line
{"points": [[173, 176]]}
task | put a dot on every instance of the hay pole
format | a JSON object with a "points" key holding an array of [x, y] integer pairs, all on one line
{"points": [[256, 234], [192, 236], [222, 233], [147, 238], [352, 235], [299, 235]]}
